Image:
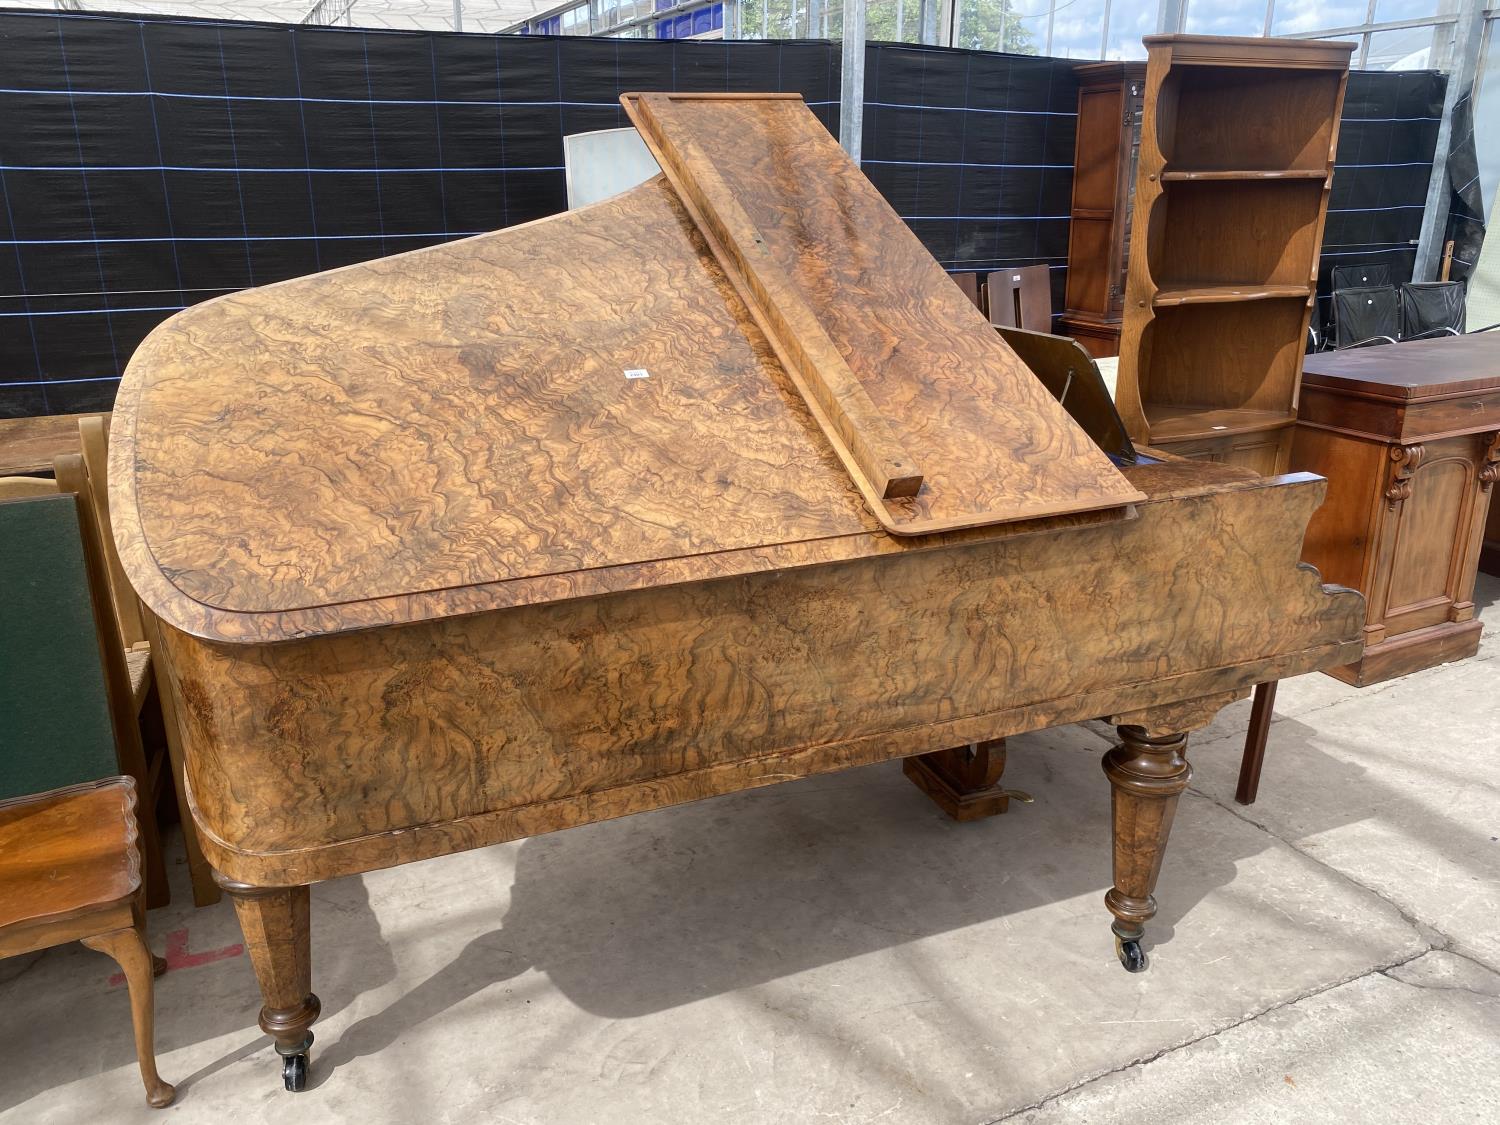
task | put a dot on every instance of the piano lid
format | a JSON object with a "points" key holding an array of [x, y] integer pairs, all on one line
{"points": [[749, 362]]}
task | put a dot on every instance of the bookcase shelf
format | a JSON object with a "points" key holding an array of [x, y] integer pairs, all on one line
{"points": [[1236, 158], [1191, 422], [1206, 175], [1168, 296]]}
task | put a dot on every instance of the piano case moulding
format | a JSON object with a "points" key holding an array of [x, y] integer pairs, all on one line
{"points": [[717, 483]]}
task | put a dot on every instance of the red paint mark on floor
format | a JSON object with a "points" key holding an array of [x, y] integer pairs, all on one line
{"points": [[178, 957]]}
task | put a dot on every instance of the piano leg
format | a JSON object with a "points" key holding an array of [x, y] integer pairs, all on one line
{"points": [[1147, 773], [965, 781], [274, 921]]}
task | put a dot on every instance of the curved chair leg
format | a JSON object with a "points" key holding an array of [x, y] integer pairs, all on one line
{"points": [[128, 948]]}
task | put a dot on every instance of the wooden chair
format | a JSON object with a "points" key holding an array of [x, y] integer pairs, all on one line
{"points": [[64, 681], [1021, 298], [972, 286], [139, 632], [70, 870]]}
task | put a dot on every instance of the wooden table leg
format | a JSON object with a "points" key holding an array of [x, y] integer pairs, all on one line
{"points": [[1255, 743], [275, 923], [128, 948], [1147, 773]]}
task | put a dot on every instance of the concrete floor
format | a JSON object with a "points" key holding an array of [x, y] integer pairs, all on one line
{"points": [[834, 949]]}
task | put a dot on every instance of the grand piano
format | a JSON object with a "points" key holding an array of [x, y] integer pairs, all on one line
{"points": [[715, 484]]}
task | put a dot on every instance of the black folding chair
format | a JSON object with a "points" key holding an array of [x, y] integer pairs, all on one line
{"points": [[1364, 317]]}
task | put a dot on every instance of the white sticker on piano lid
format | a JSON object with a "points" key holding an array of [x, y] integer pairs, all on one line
{"points": [[637, 373]]}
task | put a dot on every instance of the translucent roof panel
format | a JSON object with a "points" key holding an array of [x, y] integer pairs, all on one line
{"points": [[423, 15]]}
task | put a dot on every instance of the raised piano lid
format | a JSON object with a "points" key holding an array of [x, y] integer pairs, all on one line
{"points": [[606, 399]]}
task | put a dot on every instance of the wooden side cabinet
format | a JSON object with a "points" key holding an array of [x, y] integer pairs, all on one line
{"points": [[1111, 96], [1408, 436]]}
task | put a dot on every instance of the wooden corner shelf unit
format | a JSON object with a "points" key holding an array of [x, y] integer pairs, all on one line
{"points": [[1236, 159]]}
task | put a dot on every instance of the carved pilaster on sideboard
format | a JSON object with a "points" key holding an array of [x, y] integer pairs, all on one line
{"points": [[1406, 459]]}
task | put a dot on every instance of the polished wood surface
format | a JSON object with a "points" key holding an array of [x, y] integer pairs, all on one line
{"points": [[686, 584], [1236, 162], [1416, 389], [854, 426], [28, 446], [67, 853], [1411, 448], [70, 870], [1106, 146], [537, 713], [1004, 449], [542, 471]]}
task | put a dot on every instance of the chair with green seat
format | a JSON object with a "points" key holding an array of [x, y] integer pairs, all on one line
{"points": [[70, 865], [54, 578]]}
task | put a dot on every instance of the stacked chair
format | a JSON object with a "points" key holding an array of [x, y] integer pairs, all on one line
{"points": [[1015, 297]]}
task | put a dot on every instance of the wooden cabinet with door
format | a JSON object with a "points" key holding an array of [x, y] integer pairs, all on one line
{"points": [[1408, 436], [1110, 100]]}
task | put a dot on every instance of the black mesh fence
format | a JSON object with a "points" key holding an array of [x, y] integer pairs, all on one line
{"points": [[147, 164]]}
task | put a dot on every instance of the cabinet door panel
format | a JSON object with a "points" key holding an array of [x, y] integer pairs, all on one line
{"points": [[1429, 533]]}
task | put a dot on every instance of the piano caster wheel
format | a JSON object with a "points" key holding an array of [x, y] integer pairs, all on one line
{"points": [[294, 1072], [294, 1065], [1131, 955]]}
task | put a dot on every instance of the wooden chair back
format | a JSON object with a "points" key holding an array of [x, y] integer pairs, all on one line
{"points": [[1021, 298], [17, 488], [93, 430], [972, 286]]}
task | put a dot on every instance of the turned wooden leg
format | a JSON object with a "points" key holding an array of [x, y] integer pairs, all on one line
{"points": [[1146, 773], [1255, 743], [965, 781], [128, 948], [274, 921]]}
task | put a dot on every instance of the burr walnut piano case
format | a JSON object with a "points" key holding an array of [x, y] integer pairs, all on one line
{"points": [[715, 484]]}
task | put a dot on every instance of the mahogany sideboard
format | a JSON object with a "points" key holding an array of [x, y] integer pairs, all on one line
{"points": [[1408, 436]]}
